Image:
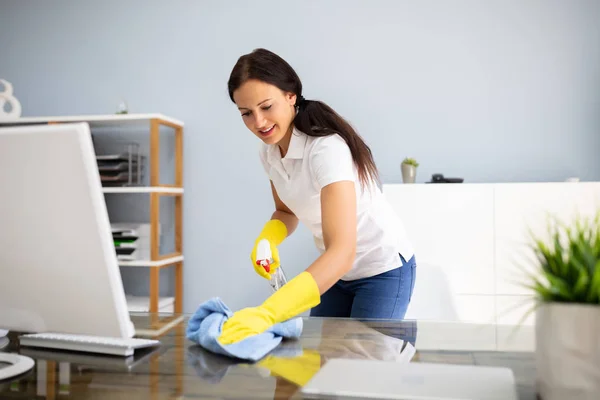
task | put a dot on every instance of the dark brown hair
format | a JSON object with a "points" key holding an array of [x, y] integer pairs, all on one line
{"points": [[314, 118]]}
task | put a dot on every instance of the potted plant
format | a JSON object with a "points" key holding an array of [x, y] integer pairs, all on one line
{"points": [[567, 310], [409, 170]]}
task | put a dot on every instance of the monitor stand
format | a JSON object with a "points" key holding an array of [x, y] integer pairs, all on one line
{"points": [[17, 364]]}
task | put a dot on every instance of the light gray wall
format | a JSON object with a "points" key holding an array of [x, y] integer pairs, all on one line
{"points": [[491, 91]]}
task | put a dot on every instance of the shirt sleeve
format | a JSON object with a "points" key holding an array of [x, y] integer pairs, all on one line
{"points": [[331, 161]]}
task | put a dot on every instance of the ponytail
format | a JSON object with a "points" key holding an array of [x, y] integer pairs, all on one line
{"points": [[315, 118]]}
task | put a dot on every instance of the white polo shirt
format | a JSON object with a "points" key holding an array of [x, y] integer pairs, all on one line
{"points": [[314, 162]]}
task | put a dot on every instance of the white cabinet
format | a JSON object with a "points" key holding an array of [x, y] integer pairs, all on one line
{"points": [[522, 207], [471, 243], [435, 217]]}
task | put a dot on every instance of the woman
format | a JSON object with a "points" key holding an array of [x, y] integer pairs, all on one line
{"points": [[323, 174]]}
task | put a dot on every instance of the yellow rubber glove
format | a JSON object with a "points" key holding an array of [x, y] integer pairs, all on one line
{"points": [[298, 370], [295, 297], [275, 232]]}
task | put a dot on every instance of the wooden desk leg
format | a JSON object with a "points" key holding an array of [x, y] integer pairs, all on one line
{"points": [[51, 380], [154, 376], [180, 358]]}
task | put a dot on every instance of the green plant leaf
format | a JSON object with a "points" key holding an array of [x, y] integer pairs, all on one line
{"points": [[410, 161], [560, 288], [594, 292], [568, 263], [582, 284]]}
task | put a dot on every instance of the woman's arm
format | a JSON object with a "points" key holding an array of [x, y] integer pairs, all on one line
{"points": [[338, 218], [283, 213]]}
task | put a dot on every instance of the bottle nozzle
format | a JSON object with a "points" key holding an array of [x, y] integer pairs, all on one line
{"points": [[263, 255]]}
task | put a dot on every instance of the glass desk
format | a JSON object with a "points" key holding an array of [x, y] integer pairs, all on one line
{"points": [[181, 369]]}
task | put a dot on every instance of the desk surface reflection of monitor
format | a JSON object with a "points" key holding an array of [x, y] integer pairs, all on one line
{"points": [[58, 266]]}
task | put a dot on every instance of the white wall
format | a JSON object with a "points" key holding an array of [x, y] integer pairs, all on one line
{"points": [[471, 243]]}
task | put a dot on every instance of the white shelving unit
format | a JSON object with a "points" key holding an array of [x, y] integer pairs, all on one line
{"points": [[98, 120], [147, 189], [150, 263], [153, 121]]}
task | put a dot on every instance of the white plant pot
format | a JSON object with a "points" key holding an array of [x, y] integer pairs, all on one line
{"points": [[409, 173], [568, 351]]}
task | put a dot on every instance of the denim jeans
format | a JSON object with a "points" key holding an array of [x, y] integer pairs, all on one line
{"points": [[383, 296]]}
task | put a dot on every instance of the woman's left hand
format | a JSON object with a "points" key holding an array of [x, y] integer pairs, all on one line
{"points": [[244, 323]]}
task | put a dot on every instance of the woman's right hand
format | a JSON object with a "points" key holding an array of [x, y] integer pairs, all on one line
{"points": [[273, 261], [274, 231]]}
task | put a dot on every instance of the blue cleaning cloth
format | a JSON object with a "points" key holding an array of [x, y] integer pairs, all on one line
{"points": [[204, 327]]}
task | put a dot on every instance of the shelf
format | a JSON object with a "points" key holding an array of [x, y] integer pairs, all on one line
{"points": [[143, 189], [96, 120], [148, 263], [161, 329], [152, 124], [141, 304]]}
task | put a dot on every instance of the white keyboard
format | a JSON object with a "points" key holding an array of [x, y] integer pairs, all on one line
{"points": [[90, 344]]}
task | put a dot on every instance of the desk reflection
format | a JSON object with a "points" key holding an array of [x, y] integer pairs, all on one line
{"points": [[151, 373], [294, 362], [182, 368]]}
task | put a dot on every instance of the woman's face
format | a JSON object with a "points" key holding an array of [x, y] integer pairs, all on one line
{"points": [[266, 110]]}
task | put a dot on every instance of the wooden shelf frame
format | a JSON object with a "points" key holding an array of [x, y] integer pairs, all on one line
{"points": [[155, 255]]}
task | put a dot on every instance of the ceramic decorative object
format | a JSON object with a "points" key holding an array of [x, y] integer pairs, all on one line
{"points": [[567, 290], [409, 170], [10, 108]]}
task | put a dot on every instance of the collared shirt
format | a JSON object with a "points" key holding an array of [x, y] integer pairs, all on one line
{"points": [[312, 163]]}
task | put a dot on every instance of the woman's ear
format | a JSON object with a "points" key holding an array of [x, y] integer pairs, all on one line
{"points": [[290, 98]]}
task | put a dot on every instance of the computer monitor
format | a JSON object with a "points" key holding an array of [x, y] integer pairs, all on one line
{"points": [[58, 266]]}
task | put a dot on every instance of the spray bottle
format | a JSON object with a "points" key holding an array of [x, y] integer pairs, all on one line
{"points": [[264, 258]]}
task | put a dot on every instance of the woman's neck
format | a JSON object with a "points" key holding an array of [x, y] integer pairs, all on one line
{"points": [[284, 143]]}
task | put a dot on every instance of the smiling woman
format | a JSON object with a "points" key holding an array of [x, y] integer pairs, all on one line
{"points": [[323, 174], [265, 117]]}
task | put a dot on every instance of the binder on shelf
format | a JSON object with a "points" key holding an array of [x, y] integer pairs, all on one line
{"points": [[122, 168], [132, 240], [119, 179], [119, 166]]}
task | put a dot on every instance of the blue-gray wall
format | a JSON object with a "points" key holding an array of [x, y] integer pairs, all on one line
{"points": [[491, 91]]}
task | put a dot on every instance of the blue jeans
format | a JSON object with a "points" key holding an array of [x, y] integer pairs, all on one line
{"points": [[383, 296]]}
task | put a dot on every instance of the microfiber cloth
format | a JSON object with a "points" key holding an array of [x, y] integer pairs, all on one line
{"points": [[204, 327]]}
